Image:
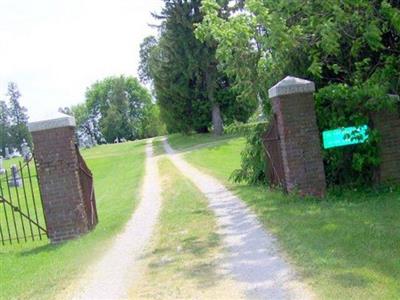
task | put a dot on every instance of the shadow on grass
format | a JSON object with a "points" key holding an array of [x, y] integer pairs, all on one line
{"points": [[214, 145], [203, 272], [158, 148], [198, 247], [38, 250], [196, 252], [351, 280]]}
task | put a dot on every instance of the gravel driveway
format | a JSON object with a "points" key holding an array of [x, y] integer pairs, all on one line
{"points": [[253, 259], [114, 274]]}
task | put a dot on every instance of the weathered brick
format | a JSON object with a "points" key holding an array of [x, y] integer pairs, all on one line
{"points": [[57, 167], [388, 125], [299, 143]]}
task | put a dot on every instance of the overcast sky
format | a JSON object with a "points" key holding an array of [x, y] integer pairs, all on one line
{"points": [[54, 49]]}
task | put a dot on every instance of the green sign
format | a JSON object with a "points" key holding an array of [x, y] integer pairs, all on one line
{"points": [[345, 136]]}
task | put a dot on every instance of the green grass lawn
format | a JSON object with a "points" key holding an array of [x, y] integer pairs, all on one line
{"points": [[346, 246], [38, 270], [186, 142], [183, 259]]}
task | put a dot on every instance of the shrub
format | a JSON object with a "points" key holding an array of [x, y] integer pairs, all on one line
{"points": [[339, 105], [243, 129], [253, 163]]}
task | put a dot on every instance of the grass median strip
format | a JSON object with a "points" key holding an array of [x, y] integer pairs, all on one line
{"points": [[183, 260], [41, 271], [347, 245]]}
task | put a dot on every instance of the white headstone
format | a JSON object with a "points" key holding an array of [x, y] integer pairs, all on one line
{"points": [[7, 153], [2, 170]]}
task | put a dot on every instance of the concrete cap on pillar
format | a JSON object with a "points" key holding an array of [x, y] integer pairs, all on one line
{"points": [[291, 85], [55, 120]]}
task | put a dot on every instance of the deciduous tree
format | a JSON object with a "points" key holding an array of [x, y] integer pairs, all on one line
{"points": [[350, 49], [118, 107]]}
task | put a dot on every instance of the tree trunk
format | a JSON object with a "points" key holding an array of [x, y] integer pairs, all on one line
{"points": [[218, 128], [217, 120]]}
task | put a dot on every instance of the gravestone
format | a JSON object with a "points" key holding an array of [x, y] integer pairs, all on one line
{"points": [[300, 145], [26, 151], [15, 153], [15, 180], [2, 170], [7, 153]]}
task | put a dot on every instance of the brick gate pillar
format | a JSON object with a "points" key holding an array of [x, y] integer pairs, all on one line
{"points": [[387, 123], [293, 106], [57, 168]]}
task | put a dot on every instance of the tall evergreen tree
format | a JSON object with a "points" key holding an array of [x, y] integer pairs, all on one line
{"points": [[190, 90], [4, 126], [18, 117]]}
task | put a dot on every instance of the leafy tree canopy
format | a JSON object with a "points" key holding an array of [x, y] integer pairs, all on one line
{"points": [[330, 42], [118, 107], [349, 48]]}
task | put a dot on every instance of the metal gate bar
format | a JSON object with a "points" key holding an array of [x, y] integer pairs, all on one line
{"points": [[5, 215], [26, 200], [86, 180], [34, 200], [274, 168], [29, 225]]}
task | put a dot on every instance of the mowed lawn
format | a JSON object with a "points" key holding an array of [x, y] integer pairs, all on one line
{"points": [[38, 270], [346, 246]]}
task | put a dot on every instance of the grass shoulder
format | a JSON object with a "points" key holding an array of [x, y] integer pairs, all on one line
{"points": [[184, 143]]}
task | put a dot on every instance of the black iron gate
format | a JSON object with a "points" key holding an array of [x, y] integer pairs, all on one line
{"points": [[271, 140], [89, 199], [21, 209]]}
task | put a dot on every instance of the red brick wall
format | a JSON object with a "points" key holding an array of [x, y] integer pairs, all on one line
{"points": [[300, 144], [57, 166], [388, 125]]}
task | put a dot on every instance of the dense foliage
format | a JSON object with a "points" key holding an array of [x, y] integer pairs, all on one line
{"points": [[253, 164], [350, 49], [117, 107], [13, 120], [191, 92]]}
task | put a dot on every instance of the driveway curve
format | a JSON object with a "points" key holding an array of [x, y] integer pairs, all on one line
{"points": [[252, 258]]}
